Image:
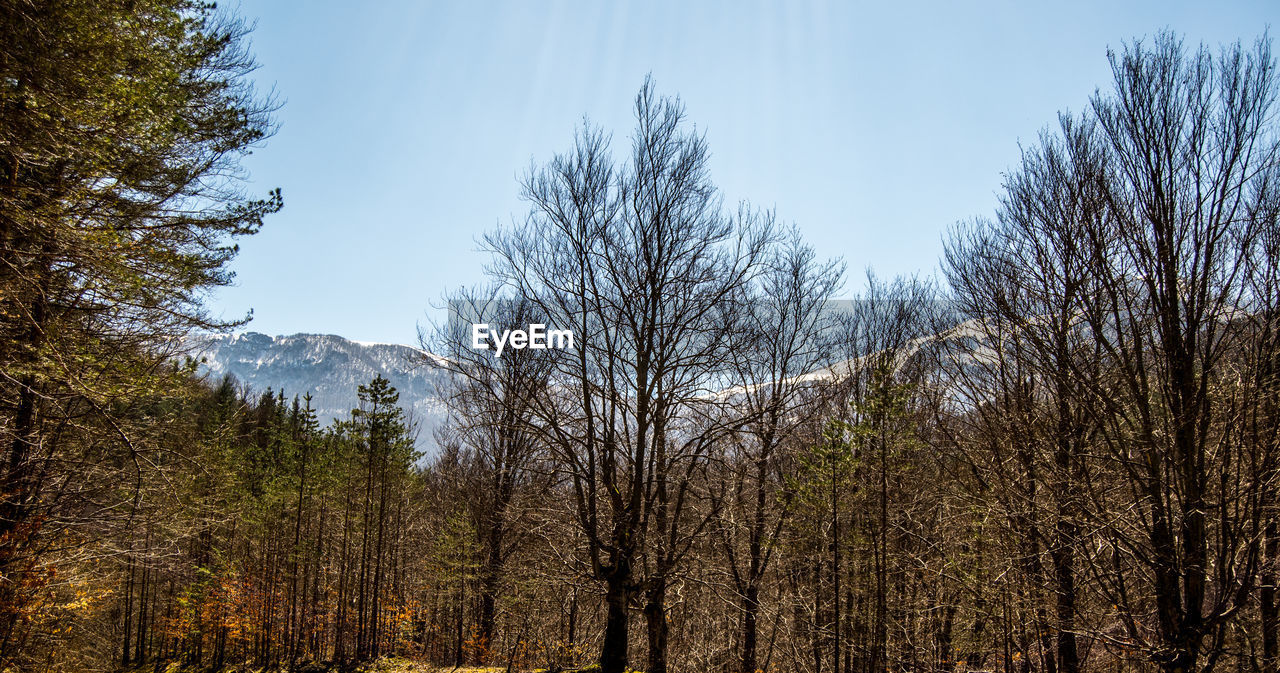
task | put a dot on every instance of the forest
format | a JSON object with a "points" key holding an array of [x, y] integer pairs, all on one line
{"points": [[1059, 455]]}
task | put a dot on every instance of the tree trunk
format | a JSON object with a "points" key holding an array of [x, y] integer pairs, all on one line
{"points": [[572, 636], [125, 659], [1063, 558], [1267, 599], [490, 580], [140, 648], [750, 627], [946, 655], [460, 624], [655, 613], [613, 653]]}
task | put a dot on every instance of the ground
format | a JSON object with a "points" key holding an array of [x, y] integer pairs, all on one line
{"points": [[396, 665]]}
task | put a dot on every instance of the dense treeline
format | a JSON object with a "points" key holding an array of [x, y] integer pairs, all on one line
{"points": [[1059, 457], [300, 551]]}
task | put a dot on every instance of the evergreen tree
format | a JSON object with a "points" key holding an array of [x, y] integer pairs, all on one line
{"points": [[122, 124]]}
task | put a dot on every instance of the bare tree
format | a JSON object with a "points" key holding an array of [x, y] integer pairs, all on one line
{"points": [[491, 400], [1019, 283], [1120, 267], [641, 263], [792, 333]]}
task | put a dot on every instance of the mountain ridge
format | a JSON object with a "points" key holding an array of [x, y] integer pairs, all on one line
{"points": [[329, 367]]}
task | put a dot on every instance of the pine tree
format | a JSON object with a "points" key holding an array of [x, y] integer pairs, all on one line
{"points": [[122, 125], [388, 454]]}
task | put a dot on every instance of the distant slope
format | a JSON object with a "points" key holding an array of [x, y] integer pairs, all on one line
{"points": [[330, 367]]}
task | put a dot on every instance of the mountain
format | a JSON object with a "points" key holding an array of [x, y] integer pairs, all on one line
{"points": [[331, 368]]}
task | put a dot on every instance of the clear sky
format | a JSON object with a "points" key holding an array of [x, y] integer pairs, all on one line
{"points": [[874, 127]]}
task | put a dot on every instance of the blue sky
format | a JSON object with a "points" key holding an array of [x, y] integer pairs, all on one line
{"points": [[872, 127]]}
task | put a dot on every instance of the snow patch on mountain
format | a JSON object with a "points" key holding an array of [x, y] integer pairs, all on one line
{"points": [[329, 367]]}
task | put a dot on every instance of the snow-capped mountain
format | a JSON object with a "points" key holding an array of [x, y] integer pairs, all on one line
{"points": [[330, 367]]}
